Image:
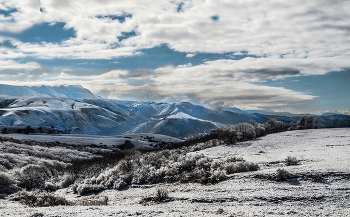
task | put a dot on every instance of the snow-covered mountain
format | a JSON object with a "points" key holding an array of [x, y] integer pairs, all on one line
{"points": [[114, 117], [63, 91], [85, 113]]}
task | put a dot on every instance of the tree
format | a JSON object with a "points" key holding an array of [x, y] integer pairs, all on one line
{"points": [[28, 130], [308, 122], [4, 131]]}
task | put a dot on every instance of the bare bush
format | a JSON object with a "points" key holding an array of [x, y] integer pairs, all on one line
{"points": [[42, 199], [291, 161], [48, 186], [161, 194], [126, 165], [67, 181], [7, 184], [84, 189], [283, 175], [33, 177]]}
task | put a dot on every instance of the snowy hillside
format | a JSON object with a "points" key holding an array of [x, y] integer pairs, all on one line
{"points": [[114, 117], [318, 185], [63, 91]]}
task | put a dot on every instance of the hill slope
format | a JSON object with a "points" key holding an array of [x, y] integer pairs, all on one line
{"points": [[319, 185]]}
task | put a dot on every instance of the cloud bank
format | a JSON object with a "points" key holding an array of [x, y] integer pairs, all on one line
{"points": [[277, 39]]}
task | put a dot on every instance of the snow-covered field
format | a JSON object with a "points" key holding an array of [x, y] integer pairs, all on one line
{"points": [[141, 140], [323, 153]]}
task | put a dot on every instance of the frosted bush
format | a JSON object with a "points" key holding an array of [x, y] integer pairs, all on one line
{"points": [[2, 168], [216, 164], [204, 163], [67, 181], [125, 166], [218, 175], [48, 186], [42, 199], [282, 175], [240, 167], [7, 184], [291, 161], [32, 176], [5, 163], [88, 188], [233, 159], [119, 185]]}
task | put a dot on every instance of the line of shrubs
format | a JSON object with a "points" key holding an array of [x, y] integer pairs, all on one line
{"points": [[163, 166], [248, 131]]}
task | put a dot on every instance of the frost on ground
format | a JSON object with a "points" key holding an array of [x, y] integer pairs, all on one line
{"points": [[141, 140], [318, 185]]}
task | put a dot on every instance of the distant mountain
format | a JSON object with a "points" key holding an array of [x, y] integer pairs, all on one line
{"points": [[63, 91], [77, 109]]}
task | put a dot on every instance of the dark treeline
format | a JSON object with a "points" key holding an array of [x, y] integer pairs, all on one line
{"points": [[248, 131]]}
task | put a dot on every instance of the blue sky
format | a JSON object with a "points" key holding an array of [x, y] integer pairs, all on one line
{"points": [[275, 55]]}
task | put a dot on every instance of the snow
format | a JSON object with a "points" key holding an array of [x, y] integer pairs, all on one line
{"points": [[63, 91], [114, 117], [323, 151], [138, 140]]}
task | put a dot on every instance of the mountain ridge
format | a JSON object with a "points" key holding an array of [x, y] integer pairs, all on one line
{"points": [[62, 91], [107, 117]]}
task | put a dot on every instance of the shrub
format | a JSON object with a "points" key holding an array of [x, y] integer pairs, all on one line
{"points": [[308, 122], [7, 184], [283, 175], [84, 189], [48, 186], [217, 176], [6, 163], [220, 211], [2, 168], [290, 161], [32, 177], [67, 181], [207, 177], [240, 167], [42, 199], [161, 194], [125, 166]]}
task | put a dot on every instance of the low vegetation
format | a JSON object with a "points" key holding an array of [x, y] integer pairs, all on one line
{"points": [[291, 161], [283, 175], [160, 195], [42, 199], [32, 166]]}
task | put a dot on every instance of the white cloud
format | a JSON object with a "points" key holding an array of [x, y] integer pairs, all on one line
{"points": [[190, 55], [292, 29], [193, 83], [282, 38]]}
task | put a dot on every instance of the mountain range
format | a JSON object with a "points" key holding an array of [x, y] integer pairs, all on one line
{"points": [[77, 109]]}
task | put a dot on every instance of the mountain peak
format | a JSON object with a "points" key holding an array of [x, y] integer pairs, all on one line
{"points": [[62, 91]]}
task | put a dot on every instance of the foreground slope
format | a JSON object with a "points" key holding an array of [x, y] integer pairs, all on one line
{"points": [[321, 153]]}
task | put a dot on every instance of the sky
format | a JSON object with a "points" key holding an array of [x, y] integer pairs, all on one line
{"points": [[276, 55]]}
